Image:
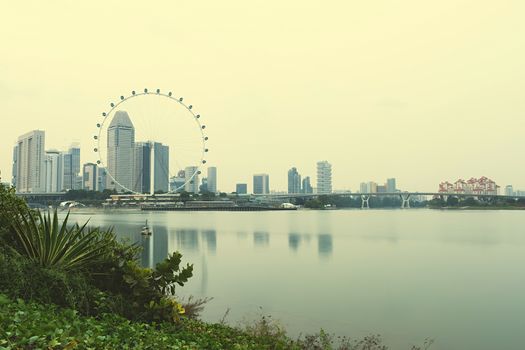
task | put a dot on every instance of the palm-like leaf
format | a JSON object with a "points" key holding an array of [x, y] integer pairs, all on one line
{"points": [[47, 242]]}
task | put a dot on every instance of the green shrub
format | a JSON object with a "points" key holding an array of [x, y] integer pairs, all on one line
{"points": [[49, 243]]}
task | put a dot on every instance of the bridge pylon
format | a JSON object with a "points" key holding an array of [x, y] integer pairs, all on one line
{"points": [[365, 202], [405, 201]]}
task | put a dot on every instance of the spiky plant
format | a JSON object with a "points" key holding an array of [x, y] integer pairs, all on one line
{"points": [[49, 243]]}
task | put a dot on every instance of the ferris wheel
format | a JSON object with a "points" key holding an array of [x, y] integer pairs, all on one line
{"points": [[151, 142]]}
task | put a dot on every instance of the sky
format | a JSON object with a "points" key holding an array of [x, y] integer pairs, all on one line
{"points": [[417, 90]]}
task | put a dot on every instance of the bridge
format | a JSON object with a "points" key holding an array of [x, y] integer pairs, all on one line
{"points": [[405, 196]]}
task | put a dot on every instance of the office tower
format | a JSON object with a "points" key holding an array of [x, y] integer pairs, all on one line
{"points": [[101, 179], [261, 184], [307, 186], [371, 187], [76, 177], [363, 187], [212, 179], [509, 190], [68, 177], [121, 144], [191, 172], [204, 185], [241, 189], [381, 188], [30, 172], [294, 181], [90, 177], [54, 172], [177, 182], [324, 177], [391, 185], [142, 167]]}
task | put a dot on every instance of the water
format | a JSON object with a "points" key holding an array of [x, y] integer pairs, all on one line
{"points": [[454, 276]]}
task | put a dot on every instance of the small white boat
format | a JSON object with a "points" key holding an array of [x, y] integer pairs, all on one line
{"points": [[145, 230]]}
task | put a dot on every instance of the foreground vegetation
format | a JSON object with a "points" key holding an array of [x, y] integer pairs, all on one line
{"points": [[66, 286]]}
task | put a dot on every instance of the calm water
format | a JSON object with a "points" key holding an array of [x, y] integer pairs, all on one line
{"points": [[455, 276]]}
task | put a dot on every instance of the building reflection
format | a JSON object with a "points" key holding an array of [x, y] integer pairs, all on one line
{"points": [[210, 237], [187, 239], [154, 247], [261, 239], [294, 240], [324, 245]]}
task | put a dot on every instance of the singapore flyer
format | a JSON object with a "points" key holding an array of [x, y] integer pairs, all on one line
{"points": [[151, 142]]}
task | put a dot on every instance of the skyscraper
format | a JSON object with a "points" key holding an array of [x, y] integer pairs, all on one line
{"points": [[261, 184], [307, 186], [177, 182], [101, 179], [212, 179], [294, 181], [191, 172], [509, 190], [90, 177], [324, 177], [30, 156], [54, 172], [76, 177], [121, 144], [68, 174], [241, 188], [142, 167], [363, 188], [391, 185]]}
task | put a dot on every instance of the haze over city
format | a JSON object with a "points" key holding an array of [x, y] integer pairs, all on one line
{"points": [[419, 92]]}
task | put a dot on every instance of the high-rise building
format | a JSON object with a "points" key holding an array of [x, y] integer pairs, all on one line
{"points": [[142, 167], [30, 156], [121, 146], [381, 188], [241, 188], [76, 177], [177, 182], [261, 184], [294, 181], [204, 185], [101, 179], [68, 177], [212, 179], [191, 175], [54, 172], [324, 177], [90, 177], [363, 187], [307, 186], [509, 190], [371, 187], [391, 185]]}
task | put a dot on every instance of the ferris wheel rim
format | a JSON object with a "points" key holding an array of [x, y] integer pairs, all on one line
{"points": [[169, 95]]}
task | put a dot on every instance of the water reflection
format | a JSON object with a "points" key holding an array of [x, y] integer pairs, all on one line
{"points": [[261, 239], [187, 239], [294, 240], [324, 245], [154, 247], [210, 237]]}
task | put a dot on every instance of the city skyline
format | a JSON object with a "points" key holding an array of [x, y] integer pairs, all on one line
{"points": [[60, 171]]}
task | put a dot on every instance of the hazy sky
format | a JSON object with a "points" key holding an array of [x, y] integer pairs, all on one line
{"points": [[422, 91]]}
